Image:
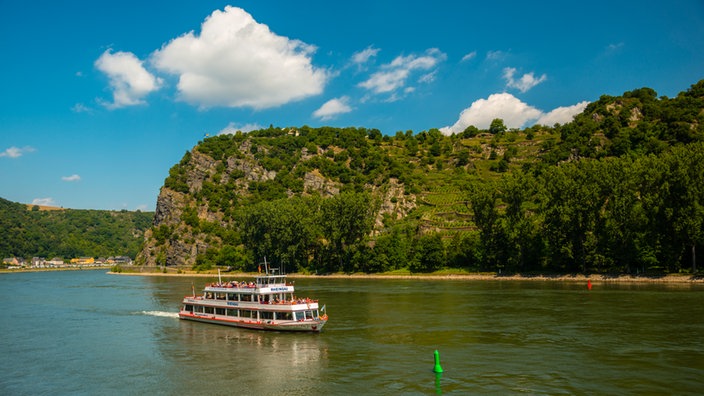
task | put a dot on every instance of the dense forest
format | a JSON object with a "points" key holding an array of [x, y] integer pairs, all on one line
{"points": [[618, 190], [70, 233]]}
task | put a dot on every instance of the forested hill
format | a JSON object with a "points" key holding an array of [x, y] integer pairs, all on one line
{"points": [[617, 190], [70, 233]]}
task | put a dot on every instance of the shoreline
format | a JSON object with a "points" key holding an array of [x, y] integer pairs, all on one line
{"points": [[669, 279]]}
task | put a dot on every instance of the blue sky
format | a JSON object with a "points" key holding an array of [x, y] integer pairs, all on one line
{"points": [[99, 99]]}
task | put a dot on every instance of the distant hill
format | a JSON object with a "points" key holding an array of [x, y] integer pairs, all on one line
{"points": [[33, 231], [616, 190]]}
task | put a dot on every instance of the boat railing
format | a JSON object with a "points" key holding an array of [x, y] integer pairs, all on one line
{"points": [[296, 301], [245, 285]]}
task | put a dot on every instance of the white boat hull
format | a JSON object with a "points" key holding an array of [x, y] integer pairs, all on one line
{"points": [[274, 325]]}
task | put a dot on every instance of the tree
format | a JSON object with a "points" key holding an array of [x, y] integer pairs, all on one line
{"points": [[486, 217], [430, 253], [522, 246], [497, 126], [570, 202], [470, 131], [686, 196], [344, 220]]}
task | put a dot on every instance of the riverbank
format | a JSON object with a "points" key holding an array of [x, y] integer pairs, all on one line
{"points": [[598, 278], [84, 268]]}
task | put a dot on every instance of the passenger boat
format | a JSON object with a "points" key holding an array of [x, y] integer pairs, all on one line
{"points": [[268, 303]]}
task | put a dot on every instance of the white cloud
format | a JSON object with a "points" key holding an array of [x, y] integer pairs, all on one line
{"points": [[71, 178], [526, 82], [238, 62], [232, 128], [562, 115], [393, 76], [505, 106], [495, 55], [428, 78], [16, 152], [44, 201], [332, 108], [363, 56], [81, 108], [469, 56], [129, 80], [514, 113]]}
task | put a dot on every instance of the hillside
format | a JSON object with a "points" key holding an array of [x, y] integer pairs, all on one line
{"points": [[30, 231], [350, 199]]}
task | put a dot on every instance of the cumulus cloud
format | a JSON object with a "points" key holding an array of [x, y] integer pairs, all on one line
{"points": [[510, 109], [393, 76], [16, 152], [44, 201], [232, 128], [562, 115], [332, 108], [523, 84], [71, 178], [237, 62], [129, 80], [514, 113]]}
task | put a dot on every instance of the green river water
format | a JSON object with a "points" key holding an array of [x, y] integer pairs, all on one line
{"points": [[87, 332]]}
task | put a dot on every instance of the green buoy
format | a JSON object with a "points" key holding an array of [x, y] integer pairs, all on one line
{"points": [[437, 368]]}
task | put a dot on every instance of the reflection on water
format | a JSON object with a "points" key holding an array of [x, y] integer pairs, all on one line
{"points": [[244, 361]]}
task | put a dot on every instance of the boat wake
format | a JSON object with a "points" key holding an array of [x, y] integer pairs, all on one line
{"points": [[162, 314]]}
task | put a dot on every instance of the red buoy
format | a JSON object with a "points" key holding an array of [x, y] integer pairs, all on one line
{"points": [[589, 284]]}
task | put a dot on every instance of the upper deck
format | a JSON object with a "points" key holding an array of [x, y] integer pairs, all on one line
{"points": [[262, 284]]}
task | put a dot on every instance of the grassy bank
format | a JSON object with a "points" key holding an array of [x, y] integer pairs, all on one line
{"points": [[445, 274]]}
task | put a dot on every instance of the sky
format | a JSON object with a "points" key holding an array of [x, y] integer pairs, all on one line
{"points": [[98, 100]]}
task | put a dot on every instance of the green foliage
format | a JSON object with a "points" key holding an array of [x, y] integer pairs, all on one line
{"points": [[70, 233], [429, 254], [497, 126], [616, 190]]}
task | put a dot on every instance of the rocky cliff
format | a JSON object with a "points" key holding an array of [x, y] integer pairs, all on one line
{"points": [[198, 204]]}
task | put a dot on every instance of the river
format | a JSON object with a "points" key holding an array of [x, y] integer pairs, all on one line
{"points": [[88, 333]]}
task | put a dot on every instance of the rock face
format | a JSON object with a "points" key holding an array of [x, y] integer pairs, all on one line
{"points": [[314, 181], [184, 220]]}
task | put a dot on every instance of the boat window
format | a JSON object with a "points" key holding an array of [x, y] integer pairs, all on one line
{"points": [[208, 310], [232, 296], [198, 309], [188, 308], [266, 315], [284, 316], [309, 314], [245, 313], [246, 297], [220, 311], [299, 315], [220, 296], [231, 312]]}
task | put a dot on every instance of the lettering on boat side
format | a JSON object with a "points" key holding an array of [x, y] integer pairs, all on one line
{"points": [[279, 289], [234, 304]]}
